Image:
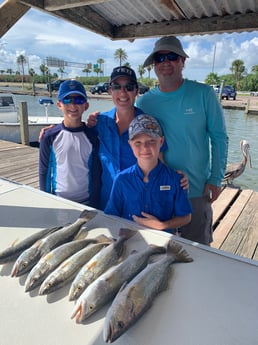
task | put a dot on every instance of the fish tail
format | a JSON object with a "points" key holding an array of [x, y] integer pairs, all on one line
{"points": [[181, 255], [127, 233], [87, 215], [157, 249], [104, 239]]}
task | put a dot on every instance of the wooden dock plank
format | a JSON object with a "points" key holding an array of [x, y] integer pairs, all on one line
{"points": [[249, 231], [238, 231], [223, 229], [223, 203]]}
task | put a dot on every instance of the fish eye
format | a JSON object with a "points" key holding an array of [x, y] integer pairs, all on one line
{"points": [[24, 264], [90, 307]]}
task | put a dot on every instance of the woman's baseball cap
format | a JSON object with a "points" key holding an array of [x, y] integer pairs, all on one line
{"points": [[69, 87], [169, 43], [123, 71]]}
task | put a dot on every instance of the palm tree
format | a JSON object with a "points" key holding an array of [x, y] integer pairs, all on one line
{"points": [[141, 70], [97, 70], [127, 64], [43, 69], [9, 71], [101, 61], [238, 69], [120, 55], [149, 68], [21, 61], [87, 69], [61, 71]]}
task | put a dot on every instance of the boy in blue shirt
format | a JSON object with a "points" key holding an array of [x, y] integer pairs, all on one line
{"points": [[149, 192], [69, 165]]}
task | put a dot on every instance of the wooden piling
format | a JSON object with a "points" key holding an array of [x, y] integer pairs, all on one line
{"points": [[24, 123]]}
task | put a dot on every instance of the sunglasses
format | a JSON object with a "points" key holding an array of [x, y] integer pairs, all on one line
{"points": [[75, 99], [127, 87], [160, 57]]}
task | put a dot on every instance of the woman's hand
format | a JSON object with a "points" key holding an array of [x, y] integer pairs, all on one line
{"points": [[42, 131], [91, 120]]}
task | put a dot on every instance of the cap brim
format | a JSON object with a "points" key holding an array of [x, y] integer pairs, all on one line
{"points": [[74, 92], [149, 60]]}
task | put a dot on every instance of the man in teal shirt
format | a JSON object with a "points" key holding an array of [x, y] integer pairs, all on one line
{"points": [[194, 127]]}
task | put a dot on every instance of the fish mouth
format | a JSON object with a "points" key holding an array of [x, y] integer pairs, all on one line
{"points": [[77, 314]]}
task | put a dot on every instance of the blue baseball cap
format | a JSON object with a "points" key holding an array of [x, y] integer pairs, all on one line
{"points": [[69, 87]]}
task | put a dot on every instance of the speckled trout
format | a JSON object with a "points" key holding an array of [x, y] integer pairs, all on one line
{"points": [[51, 260], [31, 256], [102, 261], [68, 269], [11, 253], [136, 297], [105, 287]]}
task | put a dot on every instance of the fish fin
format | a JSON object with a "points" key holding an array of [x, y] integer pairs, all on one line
{"points": [[181, 255], [15, 242], [127, 233]]}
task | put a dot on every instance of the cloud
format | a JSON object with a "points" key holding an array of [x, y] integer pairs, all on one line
{"points": [[39, 35]]}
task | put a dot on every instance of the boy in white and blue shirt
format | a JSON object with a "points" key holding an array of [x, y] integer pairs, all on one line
{"points": [[69, 165]]}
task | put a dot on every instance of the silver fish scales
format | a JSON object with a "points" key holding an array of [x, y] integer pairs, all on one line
{"points": [[136, 297]]}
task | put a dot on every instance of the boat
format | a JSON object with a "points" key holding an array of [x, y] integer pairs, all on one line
{"points": [[10, 125]]}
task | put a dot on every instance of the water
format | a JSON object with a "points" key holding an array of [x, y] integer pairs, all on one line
{"points": [[35, 109], [239, 126]]}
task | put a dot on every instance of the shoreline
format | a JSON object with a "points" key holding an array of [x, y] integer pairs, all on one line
{"points": [[240, 103]]}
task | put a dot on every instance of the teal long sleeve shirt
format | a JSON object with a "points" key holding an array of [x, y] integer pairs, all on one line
{"points": [[194, 127]]}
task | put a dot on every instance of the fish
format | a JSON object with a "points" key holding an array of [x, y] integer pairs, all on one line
{"points": [[102, 261], [68, 269], [11, 253], [31, 256], [51, 260], [105, 287], [136, 297]]}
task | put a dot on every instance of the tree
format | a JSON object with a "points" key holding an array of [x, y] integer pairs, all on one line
{"points": [[97, 70], [101, 61], [9, 71], [120, 55], [43, 69], [237, 68], [149, 68], [212, 79], [21, 61], [61, 71], [32, 72], [254, 69], [141, 70], [87, 69]]}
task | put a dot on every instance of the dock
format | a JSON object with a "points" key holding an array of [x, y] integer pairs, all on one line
{"points": [[235, 213]]}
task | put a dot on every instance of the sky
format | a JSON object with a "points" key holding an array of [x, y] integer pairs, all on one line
{"points": [[38, 35]]}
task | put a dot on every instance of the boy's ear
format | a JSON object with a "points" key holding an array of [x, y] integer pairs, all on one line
{"points": [[86, 105]]}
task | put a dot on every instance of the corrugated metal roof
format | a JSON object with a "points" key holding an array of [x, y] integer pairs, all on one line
{"points": [[130, 19]]}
